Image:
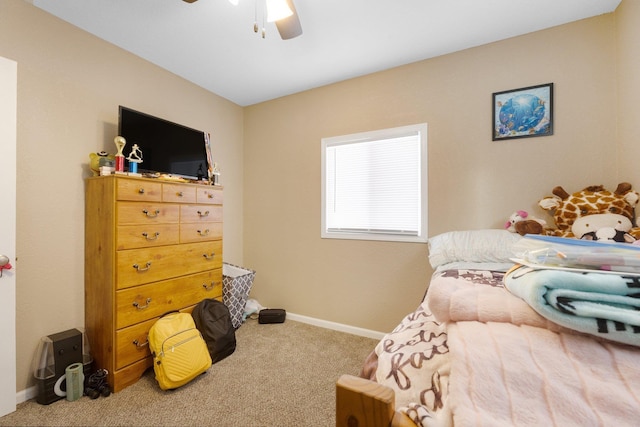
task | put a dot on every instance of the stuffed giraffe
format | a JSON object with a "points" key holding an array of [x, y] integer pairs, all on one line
{"points": [[594, 213]]}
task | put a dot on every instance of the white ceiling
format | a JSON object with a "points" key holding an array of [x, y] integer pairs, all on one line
{"points": [[212, 44]]}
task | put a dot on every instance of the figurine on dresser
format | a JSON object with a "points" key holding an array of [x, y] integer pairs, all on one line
{"points": [[134, 158]]}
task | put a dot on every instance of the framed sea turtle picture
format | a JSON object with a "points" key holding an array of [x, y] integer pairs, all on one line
{"points": [[523, 113]]}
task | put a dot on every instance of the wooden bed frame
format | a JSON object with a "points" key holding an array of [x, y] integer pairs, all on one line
{"points": [[364, 403]]}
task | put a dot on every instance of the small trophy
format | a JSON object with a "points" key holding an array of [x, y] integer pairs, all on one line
{"points": [[215, 175], [120, 143], [134, 158]]}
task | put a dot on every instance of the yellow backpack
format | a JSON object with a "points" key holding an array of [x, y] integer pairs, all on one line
{"points": [[179, 352]]}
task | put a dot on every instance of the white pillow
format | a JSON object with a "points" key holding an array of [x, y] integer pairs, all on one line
{"points": [[493, 245]]}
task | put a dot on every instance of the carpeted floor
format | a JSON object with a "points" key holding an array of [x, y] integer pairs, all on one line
{"points": [[280, 375]]}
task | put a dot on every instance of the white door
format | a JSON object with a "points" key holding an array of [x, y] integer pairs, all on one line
{"points": [[8, 106]]}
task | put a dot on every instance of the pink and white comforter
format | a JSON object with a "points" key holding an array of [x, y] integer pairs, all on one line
{"points": [[475, 355]]}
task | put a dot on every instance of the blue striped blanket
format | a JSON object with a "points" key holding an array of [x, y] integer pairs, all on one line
{"points": [[601, 304]]}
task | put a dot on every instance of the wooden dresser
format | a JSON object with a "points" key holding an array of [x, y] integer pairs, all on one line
{"points": [[151, 247]]}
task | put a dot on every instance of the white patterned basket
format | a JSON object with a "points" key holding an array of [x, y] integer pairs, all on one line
{"points": [[236, 284]]}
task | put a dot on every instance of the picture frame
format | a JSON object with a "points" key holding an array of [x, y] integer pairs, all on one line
{"points": [[523, 113]]}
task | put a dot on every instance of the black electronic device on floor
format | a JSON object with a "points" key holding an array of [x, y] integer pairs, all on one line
{"points": [[55, 353]]}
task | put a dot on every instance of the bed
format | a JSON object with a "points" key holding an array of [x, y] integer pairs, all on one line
{"points": [[478, 352]]}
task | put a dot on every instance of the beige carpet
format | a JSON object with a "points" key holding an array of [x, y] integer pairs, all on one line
{"points": [[279, 375]]}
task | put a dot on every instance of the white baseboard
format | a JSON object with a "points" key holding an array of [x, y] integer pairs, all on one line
{"points": [[32, 392], [336, 326], [24, 395]]}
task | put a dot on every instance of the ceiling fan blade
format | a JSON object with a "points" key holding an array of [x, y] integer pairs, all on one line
{"points": [[190, 1], [289, 27]]}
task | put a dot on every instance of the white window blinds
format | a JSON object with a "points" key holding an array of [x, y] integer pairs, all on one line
{"points": [[374, 185]]}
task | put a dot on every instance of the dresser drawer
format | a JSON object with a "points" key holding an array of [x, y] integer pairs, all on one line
{"points": [[203, 232], [135, 189], [146, 236], [138, 266], [200, 213], [141, 303], [132, 343], [122, 378], [147, 213], [209, 195], [178, 193]]}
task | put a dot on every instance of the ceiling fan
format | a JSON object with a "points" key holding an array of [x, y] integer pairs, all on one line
{"points": [[283, 13]]}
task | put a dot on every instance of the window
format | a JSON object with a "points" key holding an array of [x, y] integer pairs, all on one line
{"points": [[374, 185]]}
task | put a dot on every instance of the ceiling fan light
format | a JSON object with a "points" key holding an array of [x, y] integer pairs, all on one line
{"points": [[278, 9]]}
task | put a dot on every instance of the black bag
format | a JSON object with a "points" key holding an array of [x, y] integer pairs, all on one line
{"points": [[213, 320]]}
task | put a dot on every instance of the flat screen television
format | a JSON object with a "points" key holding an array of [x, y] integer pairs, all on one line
{"points": [[167, 147]]}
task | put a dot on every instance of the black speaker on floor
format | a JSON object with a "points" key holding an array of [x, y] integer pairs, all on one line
{"points": [[54, 354]]}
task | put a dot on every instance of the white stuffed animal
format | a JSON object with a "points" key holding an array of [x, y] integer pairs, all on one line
{"points": [[533, 225]]}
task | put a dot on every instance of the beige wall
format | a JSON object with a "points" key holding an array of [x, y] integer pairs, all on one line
{"points": [[70, 84], [473, 182], [69, 87], [628, 74]]}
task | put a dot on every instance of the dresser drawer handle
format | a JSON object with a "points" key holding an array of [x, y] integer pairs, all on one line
{"points": [[142, 307], [209, 257], [138, 345], [203, 214], [209, 195], [141, 191], [154, 237], [179, 194], [203, 233], [145, 268], [210, 286], [151, 215]]}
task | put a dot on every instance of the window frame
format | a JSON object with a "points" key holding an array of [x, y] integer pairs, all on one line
{"points": [[421, 130]]}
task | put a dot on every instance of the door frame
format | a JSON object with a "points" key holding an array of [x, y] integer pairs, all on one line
{"points": [[8, 138]]}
